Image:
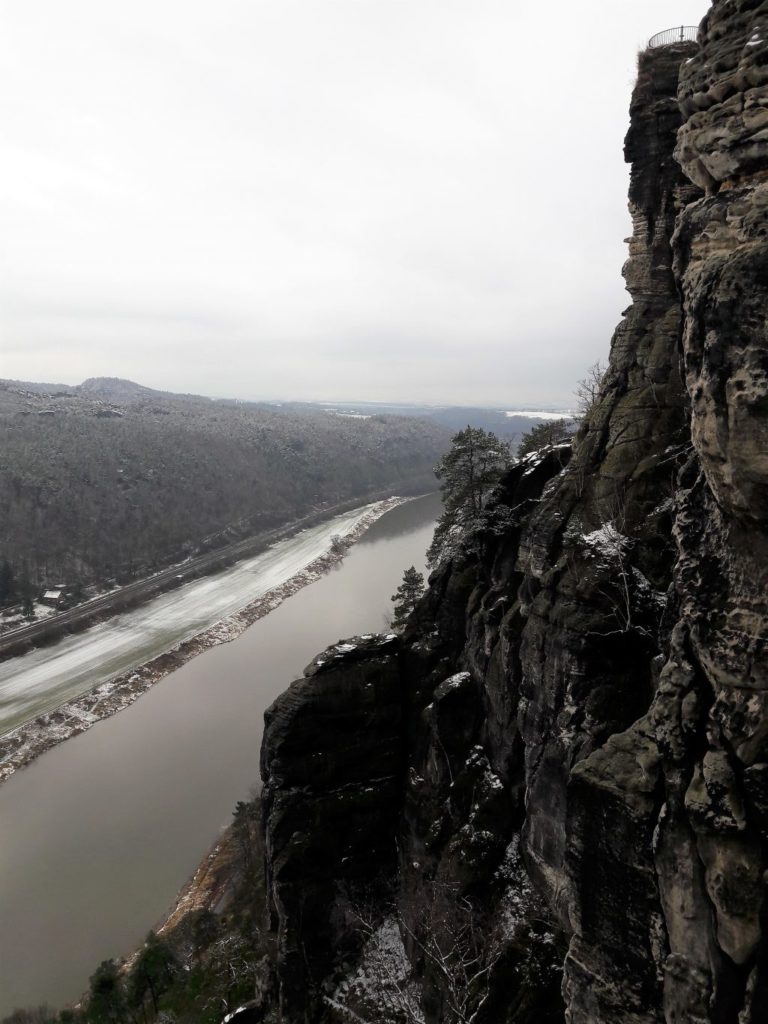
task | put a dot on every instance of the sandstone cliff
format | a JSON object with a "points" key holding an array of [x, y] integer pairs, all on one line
{"points": [[567, 751]]}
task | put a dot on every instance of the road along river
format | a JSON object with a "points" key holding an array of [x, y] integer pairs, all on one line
{"points": [[100, 832], [36, 682]]}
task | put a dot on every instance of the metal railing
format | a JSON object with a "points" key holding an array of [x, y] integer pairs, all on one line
{"points": [[670, 36]]}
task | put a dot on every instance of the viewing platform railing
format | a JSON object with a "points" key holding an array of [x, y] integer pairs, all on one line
{"points": [[670, 36]]}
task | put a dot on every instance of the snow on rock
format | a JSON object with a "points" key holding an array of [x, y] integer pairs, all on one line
{"points": [[380, 987], [519, 904], [334, 655], [606, 541], [453, 682], [534, 459]]}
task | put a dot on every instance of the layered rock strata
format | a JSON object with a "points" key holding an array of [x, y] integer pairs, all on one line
{"points": [[575, 722], [711, 713]]}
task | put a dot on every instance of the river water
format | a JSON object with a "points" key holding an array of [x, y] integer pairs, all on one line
{"points": [[99, 834]]}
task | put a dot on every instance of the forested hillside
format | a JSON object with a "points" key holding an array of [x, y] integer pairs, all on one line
{"points": [[110, 478], [510, 426]]}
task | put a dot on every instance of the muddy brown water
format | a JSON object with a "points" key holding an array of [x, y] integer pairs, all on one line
{"points": [[98, 835]]}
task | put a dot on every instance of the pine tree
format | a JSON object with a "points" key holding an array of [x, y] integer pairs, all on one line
{"points": [[468, 473], [407, 596], [543, 435]]}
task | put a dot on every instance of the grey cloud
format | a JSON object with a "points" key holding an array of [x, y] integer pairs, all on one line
{"points": [[352, 198]]}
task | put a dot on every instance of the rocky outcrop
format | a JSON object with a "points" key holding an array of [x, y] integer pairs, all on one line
{"points": [[686, 768], [581, 729], [332, 763], [394, 796], [722, 97], [712, 711]]}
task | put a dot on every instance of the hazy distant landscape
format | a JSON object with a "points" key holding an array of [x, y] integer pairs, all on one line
{"points": [[110, 480], [507, 424]]}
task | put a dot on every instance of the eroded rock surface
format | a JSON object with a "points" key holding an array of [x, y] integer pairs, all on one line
{"points": [[574, 724], [332, 763]]}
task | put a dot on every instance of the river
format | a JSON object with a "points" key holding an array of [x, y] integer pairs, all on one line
{"points": [[100, 833], [50, 675]]}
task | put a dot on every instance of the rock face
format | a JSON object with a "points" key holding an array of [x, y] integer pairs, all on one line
{"points": [[711, 711], [332, 761], [571, 737]]}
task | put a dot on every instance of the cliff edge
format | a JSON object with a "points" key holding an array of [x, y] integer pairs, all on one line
{"points": [[548, 800]]}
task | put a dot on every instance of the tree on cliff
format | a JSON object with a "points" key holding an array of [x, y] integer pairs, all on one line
{"points": [[543, 435], [468, 473], [452, 957], [588, 388], [407, 596]]}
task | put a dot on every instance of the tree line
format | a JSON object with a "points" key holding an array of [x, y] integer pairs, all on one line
{"points": [[86, 496]]}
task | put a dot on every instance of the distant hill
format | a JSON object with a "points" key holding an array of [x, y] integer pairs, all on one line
{"points": [[114, 389], [110, 477], [453, 418], [108, 389]]}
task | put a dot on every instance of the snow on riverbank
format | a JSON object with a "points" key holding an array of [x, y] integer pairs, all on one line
{"points": [[21, 746]]}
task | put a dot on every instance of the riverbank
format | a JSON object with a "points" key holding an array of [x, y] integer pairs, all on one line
{"points": [[24, 744], [50, 624], [214, 930]]}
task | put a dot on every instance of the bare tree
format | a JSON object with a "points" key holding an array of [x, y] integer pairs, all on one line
{"points": [[457, 953], [588, 388], [627, 590], [449, 947]]}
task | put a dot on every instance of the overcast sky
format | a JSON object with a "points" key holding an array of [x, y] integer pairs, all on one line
{"points": [[415, 200]]}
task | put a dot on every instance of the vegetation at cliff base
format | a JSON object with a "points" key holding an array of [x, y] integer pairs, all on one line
{"points": [[203, 964]]}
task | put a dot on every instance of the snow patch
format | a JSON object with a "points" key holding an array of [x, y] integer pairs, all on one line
{"points": [[234, 1013], [607, 541], [452, 683], [542, 414], [381, 986]]}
